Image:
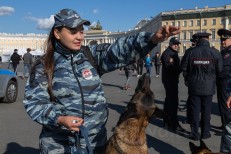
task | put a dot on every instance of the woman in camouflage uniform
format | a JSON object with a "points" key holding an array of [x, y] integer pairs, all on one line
{"points": [[65, 91]]}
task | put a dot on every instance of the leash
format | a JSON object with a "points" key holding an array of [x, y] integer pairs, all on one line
{"points": [[78, 149]]}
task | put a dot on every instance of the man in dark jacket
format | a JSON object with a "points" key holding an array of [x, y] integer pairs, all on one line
{"points": [[15, 58], [27, 60], [223, 90], [140, 65], [187, 106], [200, 69], [170, 79], [157, 63], [222, 80]]}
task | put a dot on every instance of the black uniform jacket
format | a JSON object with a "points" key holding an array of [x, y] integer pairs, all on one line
{"points": [[226, 57], [170, 70], [201, 67]]}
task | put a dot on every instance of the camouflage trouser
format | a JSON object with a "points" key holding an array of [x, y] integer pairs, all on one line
{"points": [[63, 145], [50, 146], [226, 139]]}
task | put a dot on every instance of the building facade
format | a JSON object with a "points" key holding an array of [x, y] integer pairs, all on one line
{"points": [[191, 21], [9, 42]]}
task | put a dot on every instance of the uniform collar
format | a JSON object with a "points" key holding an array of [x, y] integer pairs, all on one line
{"points": [[59, 48], [203, 42]]}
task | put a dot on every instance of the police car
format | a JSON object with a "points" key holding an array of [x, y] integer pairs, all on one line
{"points": [[9, 86]]}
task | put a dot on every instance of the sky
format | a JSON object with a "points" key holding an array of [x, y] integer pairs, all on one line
{"points": [[37, 16]]}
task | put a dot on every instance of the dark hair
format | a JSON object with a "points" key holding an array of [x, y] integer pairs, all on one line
{"points": [[48, 60], [28, 49]]}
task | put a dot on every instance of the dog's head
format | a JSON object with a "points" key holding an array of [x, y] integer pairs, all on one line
{"points": [[143, 99], [142, 103], [202, 149]]}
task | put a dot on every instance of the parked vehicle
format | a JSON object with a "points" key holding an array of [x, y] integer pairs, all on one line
{"points": [[9, 86]]}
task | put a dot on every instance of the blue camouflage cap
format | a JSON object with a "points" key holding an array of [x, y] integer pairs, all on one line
{"points": [[69, 18]]}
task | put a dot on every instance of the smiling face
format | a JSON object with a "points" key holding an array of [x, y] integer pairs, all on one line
{"points": [[71, 38]]}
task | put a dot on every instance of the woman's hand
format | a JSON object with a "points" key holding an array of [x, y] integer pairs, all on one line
{"points": [[70, 122]]}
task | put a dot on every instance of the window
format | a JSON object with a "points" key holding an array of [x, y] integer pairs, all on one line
{"points": [[222, 21], [178, 35], [229, 21], [203, 31], [166, 23], [214, 22], [184, 23], [184, 35], [204, 22], [198, 22], [178, 23], [191, 23], [184, 48], [213, 34], [190, 34], [173, 23], [198, 31]]}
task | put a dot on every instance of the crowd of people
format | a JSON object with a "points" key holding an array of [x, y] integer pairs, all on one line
{"points": [[136, 68], [64, 90], [205, 71], [27, 59]]}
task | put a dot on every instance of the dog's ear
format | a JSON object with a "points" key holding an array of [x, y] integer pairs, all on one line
{"points": [[202, 144], [192, 147]]}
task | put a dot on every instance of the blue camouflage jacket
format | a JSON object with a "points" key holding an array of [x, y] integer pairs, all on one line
{"points": [[75, 80]]}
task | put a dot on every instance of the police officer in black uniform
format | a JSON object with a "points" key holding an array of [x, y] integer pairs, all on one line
{"points": [[225, 36], [183, 60], [200, 72], [222, 95], [170, 79]]}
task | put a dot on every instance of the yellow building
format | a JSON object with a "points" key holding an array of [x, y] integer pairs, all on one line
{"points": [[191, 21], [9, 42]]}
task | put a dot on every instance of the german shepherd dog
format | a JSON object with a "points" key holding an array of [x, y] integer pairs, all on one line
{"points": [[202, 149], [129, 135]]}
